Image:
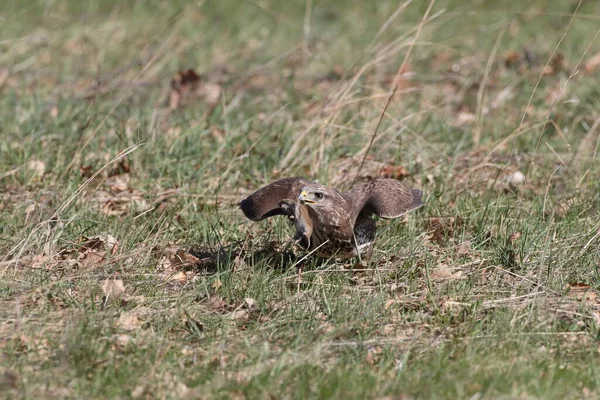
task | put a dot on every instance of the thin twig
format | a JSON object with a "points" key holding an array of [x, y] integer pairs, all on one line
{"points": [[389, 100]]}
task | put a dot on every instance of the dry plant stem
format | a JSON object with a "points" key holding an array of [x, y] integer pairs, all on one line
{"points": [[306, 36], [362, 163], [488, 68], [412, 44], [387, 23]]}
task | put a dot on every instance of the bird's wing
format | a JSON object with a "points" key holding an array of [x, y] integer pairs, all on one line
{"points": [[265, 202], [387, 198]]}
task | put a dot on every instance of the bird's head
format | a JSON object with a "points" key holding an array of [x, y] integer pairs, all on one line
{"points": [[316, 196]]}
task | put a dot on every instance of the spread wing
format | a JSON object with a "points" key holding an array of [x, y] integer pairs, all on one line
{"points": [[265, 202], [387, 198]]}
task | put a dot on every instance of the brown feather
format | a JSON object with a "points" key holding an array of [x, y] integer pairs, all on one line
{"points": [[386, 198], [265, 202]]}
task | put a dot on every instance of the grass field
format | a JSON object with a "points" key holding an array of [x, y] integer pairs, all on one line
{"points": [[127, 270]]}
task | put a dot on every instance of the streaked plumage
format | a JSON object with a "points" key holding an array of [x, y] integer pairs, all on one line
{"points": [[334, 223]]}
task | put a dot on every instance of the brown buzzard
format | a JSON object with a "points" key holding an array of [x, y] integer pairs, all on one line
{"points": [[330, 222]]}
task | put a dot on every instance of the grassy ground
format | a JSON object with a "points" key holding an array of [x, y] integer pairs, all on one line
{"points": [[128, 272]]}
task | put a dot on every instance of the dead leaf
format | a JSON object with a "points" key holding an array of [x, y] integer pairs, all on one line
{"points": [[239, 315], [515, 178], [120, 203], [403, 78], [218, 134], [54, 112], [216, 303], [556, 65], [193, 325], [440, 272], [37, 166], [118, 183], [394, 172], [514, 236], [101, 243], [443, 272], [464, 248], [562, 208], [113, 289], [589, 296], [250, 302], [511, 58], [389, 303], [122, 167], [183, 259], [578, 286], [180, 277], [443, 228], [91, 258], [30, 210], [464, 118], [121, 341], [138, 392], [4, 74], [373, 353], [86, 171], [188, 85], [128, 321], [217, 284], [593, 63]]}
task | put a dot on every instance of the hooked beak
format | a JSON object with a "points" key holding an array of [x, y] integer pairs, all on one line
{"points": [[303, 197]]}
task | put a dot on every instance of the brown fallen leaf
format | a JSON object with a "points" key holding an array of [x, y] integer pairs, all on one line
{"points": [[373, 354], [121, 167], [394, 172], [179, 277], [250, 302], [578, 286], [464, 248], [138, 392], [443, 228], [188, 85], [128, 321], [121, 203], [443, 272], [113, 289], [30, 210], [91, 258], [118, 183], [216, 303], [514, 236], [511, 58], [217, 284], [37, 166], [107, 243], [121, 341], [239, 315], [183, 259], [556, 65], [593, 63], [403, 78], [86, 171]]}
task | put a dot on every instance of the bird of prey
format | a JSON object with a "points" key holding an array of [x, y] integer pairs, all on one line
{"points": [[328, 222]]}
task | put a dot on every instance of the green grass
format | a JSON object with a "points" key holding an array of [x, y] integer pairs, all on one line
{"points": [[473, 296]]}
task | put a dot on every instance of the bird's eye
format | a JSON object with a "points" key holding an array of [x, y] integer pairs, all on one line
{"points": [[318, 195]]}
